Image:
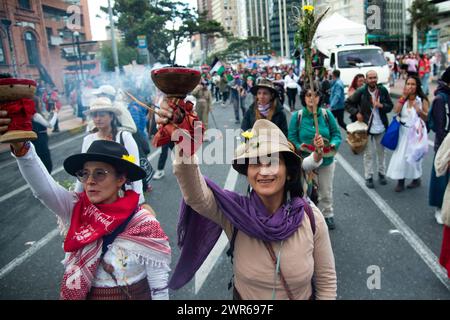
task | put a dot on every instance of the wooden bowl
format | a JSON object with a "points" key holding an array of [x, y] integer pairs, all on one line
{"points": [[14, 89], [176, 81]]}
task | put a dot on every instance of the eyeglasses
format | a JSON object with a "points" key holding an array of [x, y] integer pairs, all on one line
{"points": [[309, 95], [98, 175], [99, 114]]}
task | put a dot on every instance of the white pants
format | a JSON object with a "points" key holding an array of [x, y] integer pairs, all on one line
{"points": [[374, 142], [325, 177]]}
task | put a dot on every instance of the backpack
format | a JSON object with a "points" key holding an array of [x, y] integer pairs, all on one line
{"points": [[324, 113], [430, 122], [143, 161]]}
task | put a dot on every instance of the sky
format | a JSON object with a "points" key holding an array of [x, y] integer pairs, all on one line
{"points": [[98, 25]]}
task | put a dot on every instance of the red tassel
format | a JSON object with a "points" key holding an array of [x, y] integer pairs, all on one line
{"points": [[20, 111]]}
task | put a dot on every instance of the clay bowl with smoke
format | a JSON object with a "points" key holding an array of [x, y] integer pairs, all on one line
{"points": [[176, 81]]}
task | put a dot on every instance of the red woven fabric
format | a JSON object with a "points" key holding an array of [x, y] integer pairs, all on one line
{"points": [[185, 119], [20, 111], [444, 259]]}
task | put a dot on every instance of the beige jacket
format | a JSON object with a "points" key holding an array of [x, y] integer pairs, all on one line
{"points": [[441, 165], [302, 255]]}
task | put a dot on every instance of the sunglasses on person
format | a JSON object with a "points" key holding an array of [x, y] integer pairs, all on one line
{"points": [[98, 175], [95, 114]]}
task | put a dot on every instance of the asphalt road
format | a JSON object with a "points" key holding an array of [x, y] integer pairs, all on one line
{"points": [[385, 243]]}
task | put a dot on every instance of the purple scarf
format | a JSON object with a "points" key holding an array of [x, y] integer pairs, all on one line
{"points": [[264, 109], [197, 235]]}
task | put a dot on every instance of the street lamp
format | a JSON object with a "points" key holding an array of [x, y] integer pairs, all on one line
{"points": [[76, 34]]}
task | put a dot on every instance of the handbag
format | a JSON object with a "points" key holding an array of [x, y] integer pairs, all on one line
{"points": [[390, 137]]}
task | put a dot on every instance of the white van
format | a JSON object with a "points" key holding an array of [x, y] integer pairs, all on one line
{"points": [[353, 59]]}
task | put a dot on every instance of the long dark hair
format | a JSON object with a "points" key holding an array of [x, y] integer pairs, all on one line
{"points": [[355, 80], [115, 124], [294, 177], [419, 90]]}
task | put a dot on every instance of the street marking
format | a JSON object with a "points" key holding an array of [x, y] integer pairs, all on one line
{"points": [[203, 272], [53, 146], [46, 239], [414, 241], [28, 253], [25, 187], [58, 170]]}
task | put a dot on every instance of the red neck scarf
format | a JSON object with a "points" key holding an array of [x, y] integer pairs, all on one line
{"points": [[91, 222]]}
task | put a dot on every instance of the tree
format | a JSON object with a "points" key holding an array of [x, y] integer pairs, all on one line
{"points": [[239, 47], [423, 15], [166, 24], [126, 55]]}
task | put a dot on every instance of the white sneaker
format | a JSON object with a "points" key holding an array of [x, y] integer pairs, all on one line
{"points": [[438, 216], [158, 174]]}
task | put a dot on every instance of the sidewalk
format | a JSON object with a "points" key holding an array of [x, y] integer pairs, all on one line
{"points": [[69, 125], [397, 89]]}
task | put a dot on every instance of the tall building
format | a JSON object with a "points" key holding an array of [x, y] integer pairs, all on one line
{"points": [[257, 12], [283, 25], [225, 12], [31, 35]]}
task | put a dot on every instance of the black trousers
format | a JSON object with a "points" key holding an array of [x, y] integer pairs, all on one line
{"points": [[42, 150], [339, 115], [164, 154], [291, 93]]}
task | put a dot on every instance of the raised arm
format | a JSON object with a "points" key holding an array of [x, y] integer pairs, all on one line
{"points": [[44, 187]]}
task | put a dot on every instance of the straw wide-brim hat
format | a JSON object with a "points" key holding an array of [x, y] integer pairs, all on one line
{"points": [[109, 152], [264, 139], [102, 104], [105, 89], [264, 83]]}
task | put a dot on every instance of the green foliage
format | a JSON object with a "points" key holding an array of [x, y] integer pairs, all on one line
{"points": [[126, 55], [423, 15], [236, 48], [307, 25], [166, 24]]}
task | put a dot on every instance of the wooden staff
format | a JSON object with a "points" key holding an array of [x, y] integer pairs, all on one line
{"points": [[151, 109]]}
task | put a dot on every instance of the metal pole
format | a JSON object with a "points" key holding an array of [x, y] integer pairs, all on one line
{"points": [[76, 63], [280, 20], [113, 39], [404, 26], [79, 56]]}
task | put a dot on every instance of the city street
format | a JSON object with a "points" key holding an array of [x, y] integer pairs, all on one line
{"points": [[379, 233]]}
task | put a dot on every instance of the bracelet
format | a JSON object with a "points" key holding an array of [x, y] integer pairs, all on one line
{"points": [[23, 151]]}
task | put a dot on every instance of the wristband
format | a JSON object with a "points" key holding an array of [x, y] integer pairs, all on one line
{"points": [[23, 151]]}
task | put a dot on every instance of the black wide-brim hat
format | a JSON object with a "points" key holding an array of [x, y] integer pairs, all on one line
{"points": [[109, 152]]}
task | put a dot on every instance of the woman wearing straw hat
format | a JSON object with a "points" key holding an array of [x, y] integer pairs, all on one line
{"points": [[265, 106], [105, 117], [302, 133], [115, 249], [278, 241]]}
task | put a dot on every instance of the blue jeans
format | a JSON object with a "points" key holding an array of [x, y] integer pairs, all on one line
{"points": [[425, 79]]}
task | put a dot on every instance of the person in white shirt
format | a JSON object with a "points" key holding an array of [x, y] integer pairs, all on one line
{"points": [[291, 87], [107, 127], [115, 248], [371, 104]]}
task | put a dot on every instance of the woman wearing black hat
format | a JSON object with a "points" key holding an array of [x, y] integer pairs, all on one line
{"points": [[115, 249], [266, 106]]}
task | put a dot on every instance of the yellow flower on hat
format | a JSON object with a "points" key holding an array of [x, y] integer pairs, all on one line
{"points": [[129, 158], [247, 135], [308, 8]]}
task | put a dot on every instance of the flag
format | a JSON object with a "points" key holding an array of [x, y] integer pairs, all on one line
{"points": [[217, 66]]}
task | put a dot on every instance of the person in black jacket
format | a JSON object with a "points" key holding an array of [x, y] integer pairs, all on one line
{"points": [[266, 106], [371, 104], [440, 117]]}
